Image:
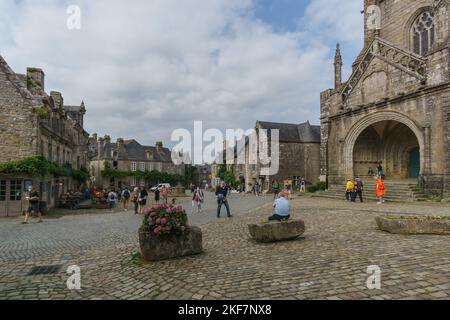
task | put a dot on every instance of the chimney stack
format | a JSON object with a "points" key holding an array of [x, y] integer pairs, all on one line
{"points": [[120, 144], [159, 146], [57, 99], [35, 78], [107, 139]]}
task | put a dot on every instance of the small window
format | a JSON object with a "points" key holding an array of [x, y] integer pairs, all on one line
{"points": [[15, 191], [133, 166], [142, 166], [2, 190]]}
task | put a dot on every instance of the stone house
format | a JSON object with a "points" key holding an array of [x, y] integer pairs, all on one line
{"points": [[128, 156], [36, 123], [299, 155], [395, 107]]}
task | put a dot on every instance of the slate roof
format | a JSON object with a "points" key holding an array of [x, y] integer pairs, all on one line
{"points": [[294, 133], [132, 150], [74, 111]]}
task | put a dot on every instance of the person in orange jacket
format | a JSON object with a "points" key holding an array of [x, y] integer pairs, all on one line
{"points": [[380, 190]]}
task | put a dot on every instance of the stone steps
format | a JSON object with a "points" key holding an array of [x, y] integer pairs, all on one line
{"points": [[403, 191]]}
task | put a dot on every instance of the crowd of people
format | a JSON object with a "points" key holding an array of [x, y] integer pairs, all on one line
{"points": [[138, 197]]}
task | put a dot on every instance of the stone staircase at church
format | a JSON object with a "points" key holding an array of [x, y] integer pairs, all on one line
{"points": [[396, 191]]}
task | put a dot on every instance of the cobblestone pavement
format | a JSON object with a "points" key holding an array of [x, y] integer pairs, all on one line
{"points": [[78, 233], [329, 262]]}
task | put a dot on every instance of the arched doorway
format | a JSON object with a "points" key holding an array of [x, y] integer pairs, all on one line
{"points": [[389, 136], [391, 142]]}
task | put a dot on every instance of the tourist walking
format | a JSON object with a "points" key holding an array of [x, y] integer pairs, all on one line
{"points": [[380, 190], [126, 195], [359, 188], [302, 185], [165, 194], [135, 199], [282, 208], [33, 205], [221, 194], [380, 170], [371, 173], [157, 194], [289, 190], [349, 189], [275, 189], [143, 196], [197, 199], [112, 198]]}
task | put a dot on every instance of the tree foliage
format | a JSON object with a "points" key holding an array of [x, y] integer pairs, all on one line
{"points": [[153, 177], [39, 166]]}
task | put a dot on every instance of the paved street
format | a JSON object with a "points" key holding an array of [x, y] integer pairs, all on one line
{"points": [[74, 233], [329, 262]]}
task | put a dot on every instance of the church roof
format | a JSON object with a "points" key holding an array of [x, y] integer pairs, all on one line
{"points": [[294, 133]]}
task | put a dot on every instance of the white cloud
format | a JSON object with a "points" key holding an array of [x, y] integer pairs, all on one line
{"points": [[146, 68]]}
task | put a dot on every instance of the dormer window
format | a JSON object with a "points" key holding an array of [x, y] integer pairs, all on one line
{"points": [[423, 33]]}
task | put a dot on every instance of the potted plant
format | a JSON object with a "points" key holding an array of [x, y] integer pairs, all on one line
{"points": [[165, 234]]}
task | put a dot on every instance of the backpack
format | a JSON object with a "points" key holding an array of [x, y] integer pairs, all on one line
{"points": [[112, 197], [126, 194]]}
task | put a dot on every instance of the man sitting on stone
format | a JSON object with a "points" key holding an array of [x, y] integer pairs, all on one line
{"points": [[282, 208]]}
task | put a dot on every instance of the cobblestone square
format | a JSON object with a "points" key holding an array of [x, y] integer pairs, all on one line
{"points": [[329, 262]]}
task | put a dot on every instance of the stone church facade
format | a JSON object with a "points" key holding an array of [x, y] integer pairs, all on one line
{"points": [[395, 107]]}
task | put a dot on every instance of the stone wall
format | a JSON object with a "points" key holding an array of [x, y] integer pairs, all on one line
{"points": [[18, 123]]}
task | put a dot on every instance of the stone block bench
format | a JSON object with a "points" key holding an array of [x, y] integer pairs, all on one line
{"points": [[169, 246], [275, 231], [397, 224]]}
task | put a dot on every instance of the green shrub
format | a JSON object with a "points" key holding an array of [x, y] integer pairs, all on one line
{"points": [[319, 186]]}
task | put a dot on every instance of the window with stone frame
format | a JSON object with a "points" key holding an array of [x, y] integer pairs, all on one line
{"points": [[133, 166], [423, 33]]}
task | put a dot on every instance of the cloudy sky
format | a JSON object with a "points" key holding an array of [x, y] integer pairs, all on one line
{"points": [[147, 67]]}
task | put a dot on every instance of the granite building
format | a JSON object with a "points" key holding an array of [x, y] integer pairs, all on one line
{"points": [[33, 123], [395, 107], [128, 156]]}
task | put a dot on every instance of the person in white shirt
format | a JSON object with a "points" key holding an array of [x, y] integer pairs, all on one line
{"points": [[282, 208]]}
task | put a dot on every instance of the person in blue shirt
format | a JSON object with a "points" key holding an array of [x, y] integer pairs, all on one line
{"points": [[282, 208], [222, 193]]}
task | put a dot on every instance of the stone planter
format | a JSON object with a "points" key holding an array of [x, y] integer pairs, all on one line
{"points": [[179, 191], [277, 231], [414, 225], [163, 247]]}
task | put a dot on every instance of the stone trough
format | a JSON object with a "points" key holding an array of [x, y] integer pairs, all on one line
{"points": [[277, 231], [414, 224], [163, 247]]}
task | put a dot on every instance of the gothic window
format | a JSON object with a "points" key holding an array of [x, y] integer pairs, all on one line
{"points": [[423, 33]]}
